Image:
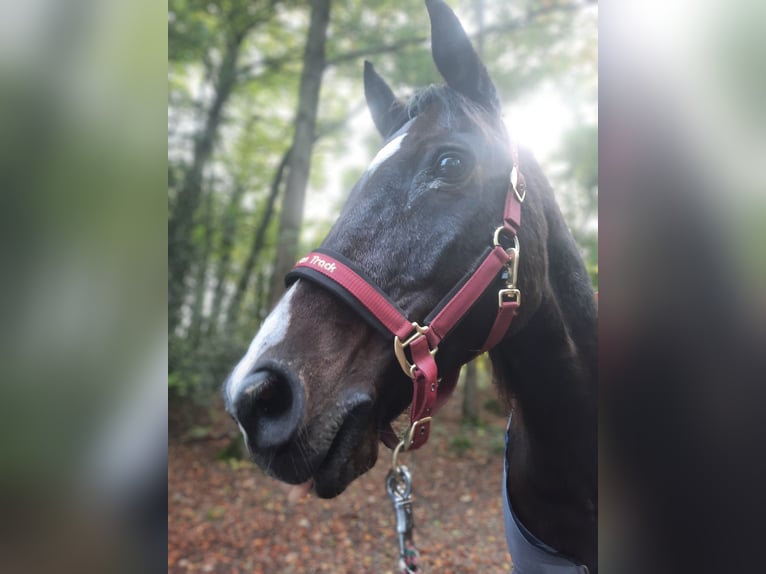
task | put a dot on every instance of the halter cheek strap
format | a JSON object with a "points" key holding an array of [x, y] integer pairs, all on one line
{"points": [[346, 280]]}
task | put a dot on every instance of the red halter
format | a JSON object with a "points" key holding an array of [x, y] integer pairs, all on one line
{"points": [[343, 278]]}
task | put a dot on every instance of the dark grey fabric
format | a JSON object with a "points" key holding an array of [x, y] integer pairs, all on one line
{"points": [[528, 554]]}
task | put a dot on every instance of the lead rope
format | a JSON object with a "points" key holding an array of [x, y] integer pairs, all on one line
{"points": [[399, 488]]}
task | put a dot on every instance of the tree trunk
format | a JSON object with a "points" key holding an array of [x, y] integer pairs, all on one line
{"points": [[200, 281], [261, 301], [229, 225], [180, 248], [259, 236], [303, 138]]}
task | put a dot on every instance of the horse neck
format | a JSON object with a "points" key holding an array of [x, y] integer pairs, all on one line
{"points": [[548, 371]]}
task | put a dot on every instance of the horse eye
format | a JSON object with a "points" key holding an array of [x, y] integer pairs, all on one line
{"points": [[450, 166]]}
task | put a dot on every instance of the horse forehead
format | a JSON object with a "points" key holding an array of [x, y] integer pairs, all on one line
{"points": [[386, 152], [390, 148], [441, 124]]}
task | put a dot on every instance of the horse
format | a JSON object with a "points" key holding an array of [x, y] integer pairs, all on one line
{"points": [[319, 385]]}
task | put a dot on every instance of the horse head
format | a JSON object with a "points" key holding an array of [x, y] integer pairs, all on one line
{"points": [[318, 382]]}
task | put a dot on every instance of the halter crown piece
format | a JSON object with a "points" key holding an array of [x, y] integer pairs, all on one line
{"points": [[342, 277]]}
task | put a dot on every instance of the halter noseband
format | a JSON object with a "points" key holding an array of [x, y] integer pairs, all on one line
{"points": [[345, 279]]}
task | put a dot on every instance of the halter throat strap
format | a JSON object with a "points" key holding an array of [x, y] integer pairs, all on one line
{"points": [[343, 278]]}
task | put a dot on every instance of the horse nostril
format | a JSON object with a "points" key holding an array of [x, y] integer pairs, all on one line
{"points": [[268, 408], [272, 399]]}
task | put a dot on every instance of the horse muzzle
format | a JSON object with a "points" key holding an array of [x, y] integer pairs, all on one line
{"points": [[331, 448]]}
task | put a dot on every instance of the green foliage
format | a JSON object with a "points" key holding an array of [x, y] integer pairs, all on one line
{"points": [[494, 406], [179, 386], [195, 373], [191, 30], [235, 450], [198, 432], [460, 444]]}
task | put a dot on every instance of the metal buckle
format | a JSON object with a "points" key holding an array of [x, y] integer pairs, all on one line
{"points": [[411, 434], [399, 346], [513, 293], [511, 267]]}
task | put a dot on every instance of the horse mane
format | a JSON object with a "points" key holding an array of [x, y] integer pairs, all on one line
{"points": [[454, 104]]}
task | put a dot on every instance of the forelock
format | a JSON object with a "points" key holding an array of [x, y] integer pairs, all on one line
{"points": [[453, 104]]}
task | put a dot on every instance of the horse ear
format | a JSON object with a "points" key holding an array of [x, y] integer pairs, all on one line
{"points": [[456, 59], [385, 109]]}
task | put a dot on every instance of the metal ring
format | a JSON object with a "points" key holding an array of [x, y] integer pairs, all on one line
{"points": [[399, 346], [395, 454], [496, 236]]}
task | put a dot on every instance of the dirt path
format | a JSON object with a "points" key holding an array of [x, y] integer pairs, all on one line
{"points": [[228, 517]]}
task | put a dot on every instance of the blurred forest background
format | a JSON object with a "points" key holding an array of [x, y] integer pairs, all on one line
{"points": [[268, 130]]}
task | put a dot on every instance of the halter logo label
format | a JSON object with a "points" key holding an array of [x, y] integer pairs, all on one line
{"points": [[317, 261]]}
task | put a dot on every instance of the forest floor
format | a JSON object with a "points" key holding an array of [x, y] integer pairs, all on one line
{"points": [[227, 516]]}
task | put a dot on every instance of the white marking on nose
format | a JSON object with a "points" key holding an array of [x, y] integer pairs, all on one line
{"points": [[244, 434], [388, 150], [271, 333]]}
